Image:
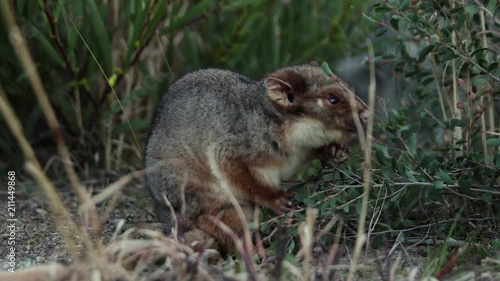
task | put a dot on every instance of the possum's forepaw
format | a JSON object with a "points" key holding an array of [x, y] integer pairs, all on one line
{"points": [[282, 203], [339, 153]]}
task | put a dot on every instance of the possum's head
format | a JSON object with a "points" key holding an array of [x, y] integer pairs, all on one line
{"points": [[319, 106]]}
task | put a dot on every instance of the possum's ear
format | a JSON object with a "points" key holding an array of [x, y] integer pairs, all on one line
{"points": [[283, 87]]}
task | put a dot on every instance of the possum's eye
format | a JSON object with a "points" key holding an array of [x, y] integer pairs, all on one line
{"points": [[333, 99]]}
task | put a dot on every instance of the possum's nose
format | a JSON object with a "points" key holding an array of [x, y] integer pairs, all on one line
{"points": [[364, 115]]}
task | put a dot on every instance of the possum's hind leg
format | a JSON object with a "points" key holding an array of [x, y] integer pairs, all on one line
{"points": [[210, 223]]}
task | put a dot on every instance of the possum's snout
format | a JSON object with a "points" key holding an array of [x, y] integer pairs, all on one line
{"points": [[364, 115]]}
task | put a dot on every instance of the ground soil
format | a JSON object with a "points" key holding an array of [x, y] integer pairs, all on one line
{"points": [[37, 239]]}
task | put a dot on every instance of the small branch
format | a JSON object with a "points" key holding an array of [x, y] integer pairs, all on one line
{"points": [[56, 38]]}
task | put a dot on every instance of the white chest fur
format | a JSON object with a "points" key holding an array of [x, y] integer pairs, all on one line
{"points": [[273, 175], [311, 133], [302, 137]]}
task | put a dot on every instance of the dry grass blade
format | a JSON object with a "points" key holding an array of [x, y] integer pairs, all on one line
{"points": [[451, 262], [110, 191], [55, 272], [19, 44], [63, 218], [306, 230], [361, 236], [240, 247]]}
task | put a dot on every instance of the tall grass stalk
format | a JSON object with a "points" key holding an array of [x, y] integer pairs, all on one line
{"points": [[367, 169]]}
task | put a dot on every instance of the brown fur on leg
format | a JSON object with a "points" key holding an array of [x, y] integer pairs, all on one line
{"points": [[228, 216], [246, 185]]}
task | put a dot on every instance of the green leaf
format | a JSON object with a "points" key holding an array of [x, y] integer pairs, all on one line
{"points": [[137, 16], [472, 10], [460, 22], [487, 197], [445, 177], [380, 32], [493, 142], [424, 52], [387, 173], [346, 209], [46, 44], [448, 56], [439, 184], [326, 68], [192, 13], [455, 122], [381, 148], [433, 166], [410, 176], [464, 184], [382, 9], [478, 50], [395, 197], [309, 202], [428, 80], [401, 237], [492, 66], [101, 37], [492, 5], [379, 157], [192, 48], [405, 37], [333, 203], [412, 143], [427, 159], [404, 4], [291, 246], [395, 22], [456, 9]]}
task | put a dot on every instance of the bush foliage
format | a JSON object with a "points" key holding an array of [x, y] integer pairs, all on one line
{"points": [[106, 65]]}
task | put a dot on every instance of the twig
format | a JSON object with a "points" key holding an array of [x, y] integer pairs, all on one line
{"points": [[56, 38]]}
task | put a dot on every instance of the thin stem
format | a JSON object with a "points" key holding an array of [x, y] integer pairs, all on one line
{"points": [[56, 38], [367, 171]]}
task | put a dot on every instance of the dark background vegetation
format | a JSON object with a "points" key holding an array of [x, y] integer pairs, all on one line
{"points": [[142, 46], [435, 160]]}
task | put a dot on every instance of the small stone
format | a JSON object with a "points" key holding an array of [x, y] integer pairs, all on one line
{"points": [[317, 249]]}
